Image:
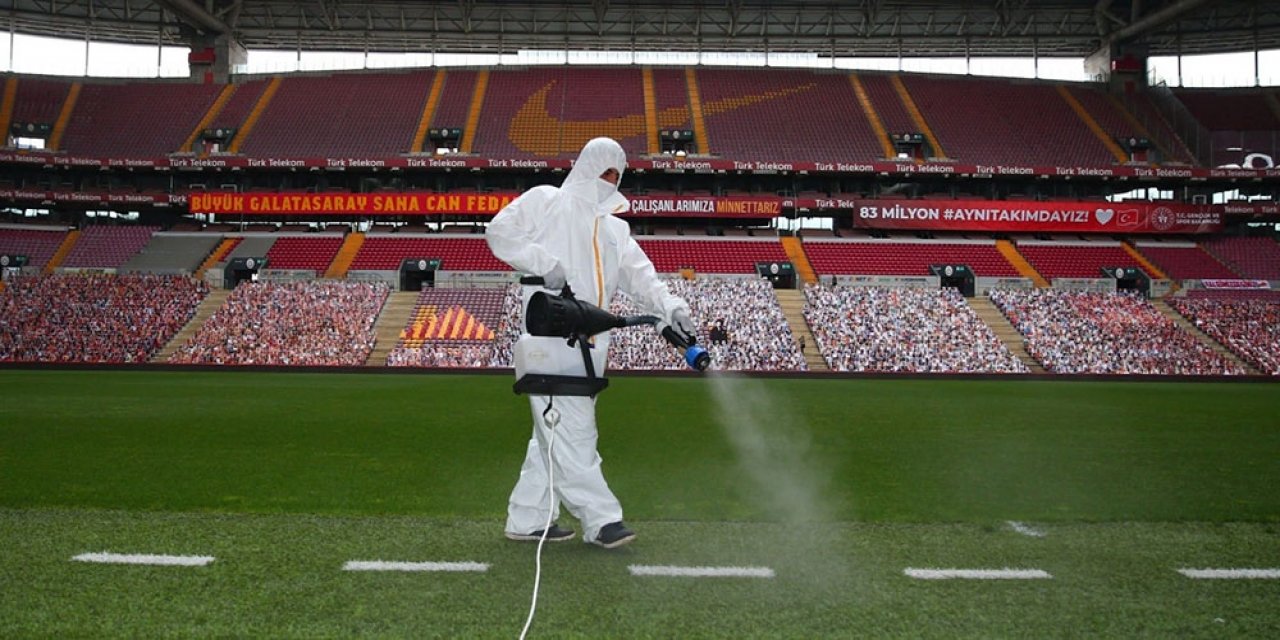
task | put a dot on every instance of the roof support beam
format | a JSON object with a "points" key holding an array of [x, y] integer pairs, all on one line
{"points": [[195, 15]]}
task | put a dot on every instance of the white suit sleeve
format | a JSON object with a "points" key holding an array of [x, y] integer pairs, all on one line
{"points": [[638, 279], [511, 234]]}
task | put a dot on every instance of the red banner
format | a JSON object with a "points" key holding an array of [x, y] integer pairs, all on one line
{"points": [[1034, 216], [347, 203]]}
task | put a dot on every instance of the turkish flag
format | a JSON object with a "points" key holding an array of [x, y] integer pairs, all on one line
{"points": [[1129, 218]]}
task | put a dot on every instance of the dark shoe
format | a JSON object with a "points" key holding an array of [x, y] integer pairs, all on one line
{"points": [[614, 535], [554, 534]]}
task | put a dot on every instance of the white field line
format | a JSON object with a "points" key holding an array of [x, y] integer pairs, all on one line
{"points": [[1231, 574], [1025, 530], [977, 574], [147, 559], [700, 572], [382, 565]]}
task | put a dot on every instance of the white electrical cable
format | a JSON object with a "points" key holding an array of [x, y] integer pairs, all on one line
{"points": [[551, 508]]}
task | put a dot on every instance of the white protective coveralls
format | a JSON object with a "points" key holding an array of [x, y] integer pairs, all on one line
{"points": [[573, 226]]}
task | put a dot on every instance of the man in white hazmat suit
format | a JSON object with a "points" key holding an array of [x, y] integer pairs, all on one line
{"points": [[569, 235]]}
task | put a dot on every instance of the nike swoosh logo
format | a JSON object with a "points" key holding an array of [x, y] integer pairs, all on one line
{"points": [[533, 120]]}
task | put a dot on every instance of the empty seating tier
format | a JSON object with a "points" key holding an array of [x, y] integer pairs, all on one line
{"points": [[1250, 257], [136, 119], [350, 114], [779, 115], [384, 253], [905, 258], [554, 111], [37, 246], [1184, 263], [711, 256], [301, 252], [104, 247], [1076, 261], [999, 121]]}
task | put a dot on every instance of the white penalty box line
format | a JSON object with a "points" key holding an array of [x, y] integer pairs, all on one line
{"points": [[1231, 574], [383, 565], [977, 574], [144, 559], [700, 572]]}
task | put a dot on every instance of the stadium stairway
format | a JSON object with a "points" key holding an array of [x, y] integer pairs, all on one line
{"points": [[792, 303], [795, 252], [1189, 327], [869, 110], [391, 321], [345, 256], [217, 255], [1020, 263], [473, 113], [1000, 326], [210, 114], [7, 103], [208, 306], [428, 112], [259, 108], [1146, 264], [64, 116], [1089, 121], [918, 117], [63, 251], [695, 111]]}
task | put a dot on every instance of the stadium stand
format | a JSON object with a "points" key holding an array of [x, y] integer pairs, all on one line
{"points": [[1021, 123], [313, 253], [332, 117], [1079, 260], [711, 256], [37, 245], [892, 257], [541, 112], [450, 328], [107, 247], [1239, 122], [1184, 261], [1250, 257], [251, 246], [384, 253], [147, 118], [172, 253], [455, 99], [903, 330], [237, 109], [1105, 333], [893, 115], [1250, 328], [312, 323], [756, 335], [671, 99], [764, 114], [94, 317], [38, 101]]}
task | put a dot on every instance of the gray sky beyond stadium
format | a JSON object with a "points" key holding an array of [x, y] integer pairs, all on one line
{"points": [[22, 53]]}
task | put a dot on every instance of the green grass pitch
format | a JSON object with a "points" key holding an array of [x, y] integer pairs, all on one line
{"points": [[835, 484]]}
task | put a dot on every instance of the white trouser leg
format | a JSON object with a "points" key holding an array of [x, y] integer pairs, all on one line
{"points": [[579, 482]]}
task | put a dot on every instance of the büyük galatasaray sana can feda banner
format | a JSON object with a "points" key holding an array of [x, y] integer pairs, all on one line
{"points": [[1031, 216], [453, 203], [348, 203]]}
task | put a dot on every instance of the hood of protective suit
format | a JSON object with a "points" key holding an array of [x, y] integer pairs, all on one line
{"points": [[584, 183]]}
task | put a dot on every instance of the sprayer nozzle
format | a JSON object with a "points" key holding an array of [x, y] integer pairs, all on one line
{"points": [[697, 357]]}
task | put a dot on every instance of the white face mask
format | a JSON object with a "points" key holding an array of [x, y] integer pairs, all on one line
{"points": [[604, 189]]}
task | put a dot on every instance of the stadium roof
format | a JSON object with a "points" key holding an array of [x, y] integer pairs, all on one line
{"points": [[864, 28]]}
